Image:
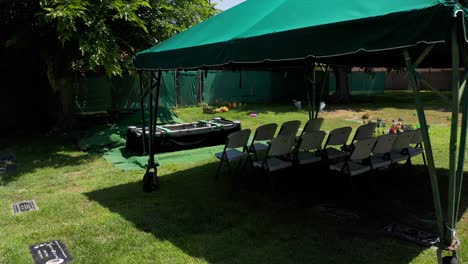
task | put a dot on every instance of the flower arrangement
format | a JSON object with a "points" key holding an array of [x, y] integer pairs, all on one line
{"points": [[222, 109]]}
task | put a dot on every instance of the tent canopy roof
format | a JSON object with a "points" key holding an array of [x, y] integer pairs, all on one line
{"points": [[333, 31]]}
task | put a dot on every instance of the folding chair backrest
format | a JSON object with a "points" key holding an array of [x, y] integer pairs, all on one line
{"points": [[339, 136], [238, 139], [312, 140], [362, 149], [265, 132], [281, 145], [289, 128], [403, 140], [417, 137], [384, 143], [313, 125], [364, 132]]}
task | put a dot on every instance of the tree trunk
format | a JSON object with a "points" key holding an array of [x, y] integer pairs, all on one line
{"points": [[64, 87], [342, 94]]}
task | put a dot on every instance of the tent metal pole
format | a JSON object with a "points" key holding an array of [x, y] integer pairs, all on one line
{"points": [[151, 131], [307, 87], [427, 145], [313, 91], [150, 180], [461, 151], [463, 132], [156, 102], [156, 107], [451, 218], [322, 90], [142, 108]]}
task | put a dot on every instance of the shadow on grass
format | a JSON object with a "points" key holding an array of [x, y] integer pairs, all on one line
{"points": [[45, 152], [199, 216]]}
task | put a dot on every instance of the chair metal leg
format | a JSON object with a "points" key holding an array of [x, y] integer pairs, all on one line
{"points": [[219, 169], [351, 185], [272, 184]]}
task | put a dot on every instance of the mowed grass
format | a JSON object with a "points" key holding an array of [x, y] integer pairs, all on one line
{"points": [[103, 216]]}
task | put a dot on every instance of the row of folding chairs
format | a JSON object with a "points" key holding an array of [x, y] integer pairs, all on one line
{"points": [[381, 152], [262, 141], [286, 149]]}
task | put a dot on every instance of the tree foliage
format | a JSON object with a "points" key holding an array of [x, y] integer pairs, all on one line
{"points": [[102, 35]]}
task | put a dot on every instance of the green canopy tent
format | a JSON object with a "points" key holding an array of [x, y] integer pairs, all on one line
{"points": [[268, 34]]}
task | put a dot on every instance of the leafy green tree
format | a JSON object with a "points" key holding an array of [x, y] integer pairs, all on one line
{"points": [[103, 35]]}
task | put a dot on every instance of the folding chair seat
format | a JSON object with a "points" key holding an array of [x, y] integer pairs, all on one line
{"points": [[289, 128], [262, 134], [358, 162], [308, 148], [337, 138], [231, 152], [381, 153], [400, 146], [417, 149], [279, 147]]}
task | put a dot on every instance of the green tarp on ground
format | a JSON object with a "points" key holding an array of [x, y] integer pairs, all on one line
{"points": [[288, 30], [123, 160]]}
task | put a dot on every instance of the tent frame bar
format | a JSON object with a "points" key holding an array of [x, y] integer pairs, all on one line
{"points": [[446, 224], [154, 88], [142, 108], [413, 84]]}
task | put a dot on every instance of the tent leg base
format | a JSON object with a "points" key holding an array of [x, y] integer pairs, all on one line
{"points": [[151, 180], [453, 259]]}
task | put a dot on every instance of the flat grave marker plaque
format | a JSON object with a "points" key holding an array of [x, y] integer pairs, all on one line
{"points": [[53, 252], [24, 206], [420, 237], [342, 215]]}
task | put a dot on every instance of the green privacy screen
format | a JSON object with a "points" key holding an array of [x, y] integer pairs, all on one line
{"points": [[239, 86], [99, 93], [361, 83], [95, 94]]}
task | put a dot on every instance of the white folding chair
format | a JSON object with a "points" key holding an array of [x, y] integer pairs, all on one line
{"points": [[262, 134], [308, 148], [358, 162], [289, 128], [364, 132], [231, 152], [417, 149], [279, 148], [381, 153], [313, 125], [400, 146], [337, 138]]}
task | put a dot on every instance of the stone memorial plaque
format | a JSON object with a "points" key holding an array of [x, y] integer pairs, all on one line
{"points": [[25, 206], [420, 237], [53, 252], [342, 215]]}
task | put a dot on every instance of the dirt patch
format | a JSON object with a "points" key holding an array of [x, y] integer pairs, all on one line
{"points": [[75, 174], [339, 113], [85, 203], [72, 188]]}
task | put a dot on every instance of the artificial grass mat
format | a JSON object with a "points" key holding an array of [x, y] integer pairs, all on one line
{"points": [[109, 140], [121, 159]]}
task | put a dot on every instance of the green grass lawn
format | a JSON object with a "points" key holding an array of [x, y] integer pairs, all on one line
{"points": [[102, 215]]}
